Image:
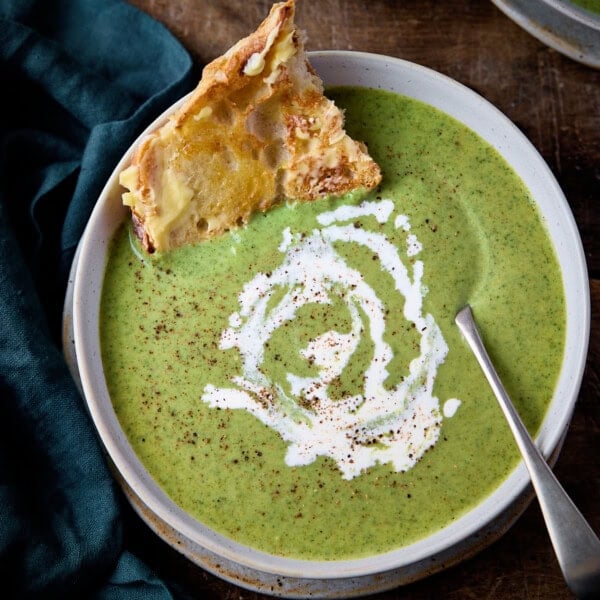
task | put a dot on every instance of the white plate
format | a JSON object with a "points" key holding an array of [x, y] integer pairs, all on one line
{"points": [[297, 578]]}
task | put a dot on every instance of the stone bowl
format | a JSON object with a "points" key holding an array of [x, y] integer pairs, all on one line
{"points": [[483, 524]]}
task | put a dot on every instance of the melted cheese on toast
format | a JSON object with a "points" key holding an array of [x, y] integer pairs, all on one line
{"points": [[256, 130]]}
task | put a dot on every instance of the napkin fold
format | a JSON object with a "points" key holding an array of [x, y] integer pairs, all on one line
{"points": [[79, 80]]}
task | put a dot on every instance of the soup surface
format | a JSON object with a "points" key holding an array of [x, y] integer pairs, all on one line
{"points": [[591, 5], [300, 386]]}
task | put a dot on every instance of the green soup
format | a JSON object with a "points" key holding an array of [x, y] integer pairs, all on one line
{"points": [[591, 5], [300, 386]]}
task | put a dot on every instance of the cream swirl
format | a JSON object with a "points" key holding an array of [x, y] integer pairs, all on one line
{"points": [[377, 425]]}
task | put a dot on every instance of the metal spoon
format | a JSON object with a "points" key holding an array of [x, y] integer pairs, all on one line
{"points": [[576, 545]]}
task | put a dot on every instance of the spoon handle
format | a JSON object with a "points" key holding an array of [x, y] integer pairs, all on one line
{"points": [[576, 545]]}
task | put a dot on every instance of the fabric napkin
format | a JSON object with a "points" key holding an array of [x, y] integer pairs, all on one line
{"points": [[79, 80]]}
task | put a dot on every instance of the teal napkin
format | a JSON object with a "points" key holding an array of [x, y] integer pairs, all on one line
{"points": [[79, 80]]}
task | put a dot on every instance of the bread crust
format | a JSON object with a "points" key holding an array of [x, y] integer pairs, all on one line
{"points": [[256, 130]]}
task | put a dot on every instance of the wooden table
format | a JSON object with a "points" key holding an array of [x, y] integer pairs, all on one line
{"points": [[556, 103]]}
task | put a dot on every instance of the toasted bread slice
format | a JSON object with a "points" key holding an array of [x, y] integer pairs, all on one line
{"points": [[256, 130]]}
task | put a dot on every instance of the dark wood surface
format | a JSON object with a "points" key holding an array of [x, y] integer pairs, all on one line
{"points": [[555, 101]]}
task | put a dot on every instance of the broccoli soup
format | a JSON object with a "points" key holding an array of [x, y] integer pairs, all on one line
{"points": [[299, 385]]}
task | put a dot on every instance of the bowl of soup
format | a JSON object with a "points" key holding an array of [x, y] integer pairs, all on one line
{"points": [[291, 405]]}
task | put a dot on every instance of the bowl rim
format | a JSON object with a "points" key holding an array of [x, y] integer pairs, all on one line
{"points": [[565, 27], [87, 284]]}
